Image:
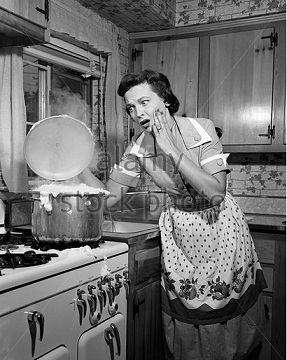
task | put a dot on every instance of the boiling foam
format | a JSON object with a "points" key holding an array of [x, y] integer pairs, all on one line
{"points": [[79, 189], [56, 189]]}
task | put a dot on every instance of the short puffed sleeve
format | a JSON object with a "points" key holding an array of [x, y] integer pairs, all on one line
{"points": [[212, 159]]}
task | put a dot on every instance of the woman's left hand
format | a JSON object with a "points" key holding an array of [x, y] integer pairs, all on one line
{"points": [[162, 132]]}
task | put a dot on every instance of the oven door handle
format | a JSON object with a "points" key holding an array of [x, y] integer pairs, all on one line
{"points": [[117, 336], [108, 334]]}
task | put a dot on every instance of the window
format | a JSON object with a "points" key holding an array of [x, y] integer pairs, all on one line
{"points": [[58, 80], [35, 77], [50, 89]]}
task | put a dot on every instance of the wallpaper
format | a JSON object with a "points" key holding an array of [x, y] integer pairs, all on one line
{"points": [[190, 12]]}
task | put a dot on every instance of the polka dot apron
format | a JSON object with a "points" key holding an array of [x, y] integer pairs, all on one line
{"points": [[208, 257]]}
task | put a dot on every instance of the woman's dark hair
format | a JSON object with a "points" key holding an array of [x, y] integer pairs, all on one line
{"points": [[158, 82]]}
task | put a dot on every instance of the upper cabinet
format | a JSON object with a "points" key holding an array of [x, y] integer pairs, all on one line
{"points": [[238, 80], [24, 22], [246, 88], [178, 60]]}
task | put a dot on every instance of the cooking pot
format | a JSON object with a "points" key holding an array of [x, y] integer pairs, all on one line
{"points": [[59, 148], [70, 220]]}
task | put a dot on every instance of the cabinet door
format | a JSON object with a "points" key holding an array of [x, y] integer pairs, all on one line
{"points": [[240, 87], [147, 323], [29, 9], [178, 60], [265, 353]]}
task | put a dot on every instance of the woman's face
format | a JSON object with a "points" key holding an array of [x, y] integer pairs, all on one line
{"points": [[141, 103]]}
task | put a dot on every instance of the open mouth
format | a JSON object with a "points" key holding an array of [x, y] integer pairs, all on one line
{"points": [[144, 122]]}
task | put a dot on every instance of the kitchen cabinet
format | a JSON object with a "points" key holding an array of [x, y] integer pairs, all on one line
{"points": [[241, 76], [178, 60], [144, 328], [24, 22], [238, 79], [271, 248]]}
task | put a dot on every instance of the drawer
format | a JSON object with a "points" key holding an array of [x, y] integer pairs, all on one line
{"points": [[147, 264], [265, 249], [268, 274]]}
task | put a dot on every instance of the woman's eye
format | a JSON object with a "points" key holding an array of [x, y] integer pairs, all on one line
{"points": [[144, 102]]}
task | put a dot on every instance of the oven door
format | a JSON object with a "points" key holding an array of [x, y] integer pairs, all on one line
{"points": [[106, 341]]}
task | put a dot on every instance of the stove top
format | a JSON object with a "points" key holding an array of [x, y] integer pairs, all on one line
{"points": [[11, 240], [16, 259]]}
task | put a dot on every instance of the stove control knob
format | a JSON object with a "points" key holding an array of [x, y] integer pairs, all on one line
{"points": [[35, 318], [102, 296], [127, 283], [81, 305], [92, 299], [118, 283]]}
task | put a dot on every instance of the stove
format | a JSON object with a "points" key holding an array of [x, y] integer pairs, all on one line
{"points": [[62, 304]]}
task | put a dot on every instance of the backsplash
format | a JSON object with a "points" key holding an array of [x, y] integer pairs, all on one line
{"points": [[257, 174], [257, 181], [191, 12]]}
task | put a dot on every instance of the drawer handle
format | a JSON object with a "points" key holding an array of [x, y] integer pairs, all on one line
{"points": [[136, 306], [267, 311]]}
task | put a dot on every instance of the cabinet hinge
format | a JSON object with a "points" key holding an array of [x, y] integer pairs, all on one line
{"points": [[45, 11], [270, 132], [273, 39], [135, 53]]}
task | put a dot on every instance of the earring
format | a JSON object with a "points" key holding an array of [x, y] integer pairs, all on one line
{"points": [[166, 104]]}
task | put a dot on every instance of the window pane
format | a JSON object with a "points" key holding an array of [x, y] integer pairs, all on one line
{"points": [[31, 89], [35, 88], [70, 94]]}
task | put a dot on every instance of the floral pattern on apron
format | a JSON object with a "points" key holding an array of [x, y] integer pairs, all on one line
{"points": [[208, 256]]}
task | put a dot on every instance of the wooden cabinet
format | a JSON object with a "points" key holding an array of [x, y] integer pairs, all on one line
{"points": [[243, 68], [271, 248], [24, 22], [144, 328], [178, 60], [238, 79]]}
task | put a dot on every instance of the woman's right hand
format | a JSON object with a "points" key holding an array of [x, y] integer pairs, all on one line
{"points": [[88, 178]]}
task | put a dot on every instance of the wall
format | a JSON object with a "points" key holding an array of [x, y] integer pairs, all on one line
{"points": [[191, 12], [258, 181], [87, 20]]}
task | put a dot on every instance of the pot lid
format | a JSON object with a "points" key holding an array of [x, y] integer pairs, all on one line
{"points": [[59, 147]]}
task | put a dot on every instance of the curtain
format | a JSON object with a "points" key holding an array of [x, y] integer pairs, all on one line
{"points": [[113, 106], [12, 120]]}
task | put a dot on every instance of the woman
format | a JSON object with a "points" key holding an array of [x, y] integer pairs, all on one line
{"points": [[211, 278]]}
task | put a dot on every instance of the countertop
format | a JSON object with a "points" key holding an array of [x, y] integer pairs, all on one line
{"points": [[256, 222], [270, 223]]}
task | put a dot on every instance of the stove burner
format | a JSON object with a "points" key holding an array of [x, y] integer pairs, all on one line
{"points": [[28, 258], [11, 239], [8, 247]]}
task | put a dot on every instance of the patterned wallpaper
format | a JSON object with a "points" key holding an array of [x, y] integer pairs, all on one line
{"points": [[135, 15], [258, 181], [257, 174], [191, 12]]}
